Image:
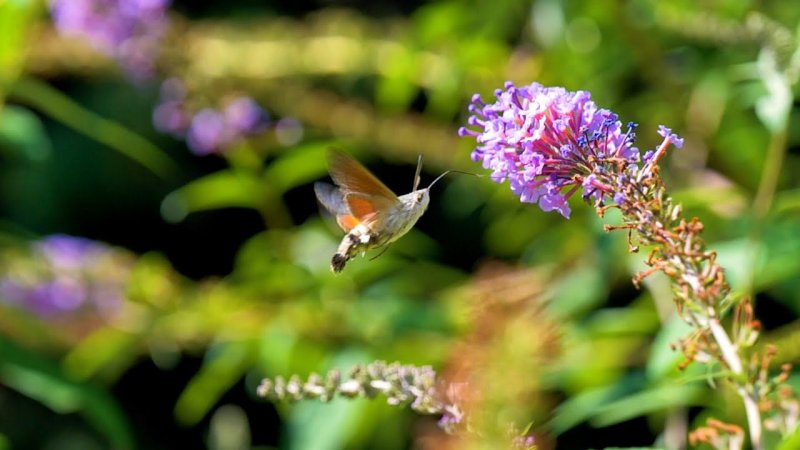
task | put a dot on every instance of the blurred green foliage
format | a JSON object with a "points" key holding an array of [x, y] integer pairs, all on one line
{"points": [[229, 278]]}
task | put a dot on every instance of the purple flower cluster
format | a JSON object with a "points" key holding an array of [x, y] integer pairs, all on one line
{"points": [[549, 142], [523, 442], [208, 130], [129, 30], [399, 384], [63, 274]]}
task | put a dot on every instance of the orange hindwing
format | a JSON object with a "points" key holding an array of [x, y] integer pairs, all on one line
{"points": [[366, 197]]}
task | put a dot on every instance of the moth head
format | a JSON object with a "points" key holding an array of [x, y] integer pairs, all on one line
{"points": [[418, 198]]}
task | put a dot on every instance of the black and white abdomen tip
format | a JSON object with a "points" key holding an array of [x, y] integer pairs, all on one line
{"points": [[337, 262]]}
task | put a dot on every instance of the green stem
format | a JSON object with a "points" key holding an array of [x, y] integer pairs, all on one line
{"points": [[55, 104], [769, 178], [765, 195]]}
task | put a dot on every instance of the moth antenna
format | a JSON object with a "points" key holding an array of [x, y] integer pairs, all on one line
{"points": [[417, 177], [453, 171]]}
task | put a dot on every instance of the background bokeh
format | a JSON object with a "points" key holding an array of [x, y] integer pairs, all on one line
{"points": [[161, 248]]}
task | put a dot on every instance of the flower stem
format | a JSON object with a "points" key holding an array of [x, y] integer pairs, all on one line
{"points": [[731, 358]]}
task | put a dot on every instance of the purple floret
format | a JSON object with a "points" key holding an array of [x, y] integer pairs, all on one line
{"points": [[547, 141]]}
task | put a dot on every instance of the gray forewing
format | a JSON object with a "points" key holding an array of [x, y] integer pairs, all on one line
{"points": [[331, 198]]}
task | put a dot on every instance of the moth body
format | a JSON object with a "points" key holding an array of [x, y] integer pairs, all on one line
{"points": [[387, 228], [371, 215]]}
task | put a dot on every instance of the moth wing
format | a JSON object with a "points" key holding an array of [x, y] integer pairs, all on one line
{"points": [[366, 207], [352, 177], [333, 200], [366, 197]]}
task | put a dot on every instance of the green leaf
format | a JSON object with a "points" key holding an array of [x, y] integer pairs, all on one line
{"points": [[773, 259], [649, 401], [630, 321], [298, 166], [16, 18], [221, 189], [277, 345], [781, 247], [580, 407], [580, 290], [736, 256], [58, 106], [108, 350], [663, 359], [787, 202], [634, 448], [334, 422], [624, 400], [224, 366], [43, 381], [790, 442], [23, 132], [396, 89]]}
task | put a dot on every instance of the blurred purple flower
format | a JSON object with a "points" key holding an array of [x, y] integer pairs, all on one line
{"points": [[65, 274], [209, 130], [288, 131], [170, 115], [172, 89], [69, 252], [450, 420], [207, 133], [171, 118], [549, 142], [63, 294], [523, 442], [129, 30], [244, 116]]}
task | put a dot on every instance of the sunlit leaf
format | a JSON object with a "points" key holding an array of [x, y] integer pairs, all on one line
{"points": [[266, 266], [300, 165], [581, 406], [107, 350], [224, 189], [333, 423], [782, 246], [622, 321], [787, 201], [16, 18], [790, 442], [582, 288], [21, 131], [663, 358], [736, 257], [649, 401], [396, 88], [224, 365]]}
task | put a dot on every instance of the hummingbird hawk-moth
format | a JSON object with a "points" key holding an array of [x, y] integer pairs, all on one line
{"points": [[371, 215]]}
